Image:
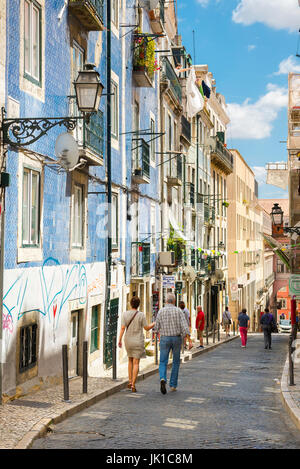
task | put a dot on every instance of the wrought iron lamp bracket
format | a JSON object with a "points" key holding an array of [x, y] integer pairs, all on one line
{"points": [[292, 229], [22, 132]]}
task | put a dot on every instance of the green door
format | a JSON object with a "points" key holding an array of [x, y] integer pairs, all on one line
{"points": [[111, 329]]}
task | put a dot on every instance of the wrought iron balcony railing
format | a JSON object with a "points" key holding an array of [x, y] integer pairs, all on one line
{"points": [[141, 159], [221, 156], [168, 73], [140, 259], [185, 128], [93, 135]]}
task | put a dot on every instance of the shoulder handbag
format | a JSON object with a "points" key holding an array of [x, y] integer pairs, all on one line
{"points": [[229, 320], [132, 319]]}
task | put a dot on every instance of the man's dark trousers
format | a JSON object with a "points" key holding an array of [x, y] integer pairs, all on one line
{"points": [[267, 335]]}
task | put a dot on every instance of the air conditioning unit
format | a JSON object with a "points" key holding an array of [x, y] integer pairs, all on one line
{"points": [[166, 258]]}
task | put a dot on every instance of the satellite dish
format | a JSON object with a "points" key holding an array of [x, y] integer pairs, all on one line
{"points": [[66, 150]]}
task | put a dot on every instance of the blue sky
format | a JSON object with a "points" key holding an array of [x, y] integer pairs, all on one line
{"points": [[249, 46]]}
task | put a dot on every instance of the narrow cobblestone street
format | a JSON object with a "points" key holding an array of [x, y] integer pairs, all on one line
{"points": [[227, 398]]}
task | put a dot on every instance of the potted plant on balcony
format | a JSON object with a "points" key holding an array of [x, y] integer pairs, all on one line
{"points": [[144, 54], [176, 244]]}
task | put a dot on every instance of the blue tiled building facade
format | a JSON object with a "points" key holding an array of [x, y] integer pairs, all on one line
{"points": [[56, 220]]}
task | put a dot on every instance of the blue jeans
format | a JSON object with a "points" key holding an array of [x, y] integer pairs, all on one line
{"points": [[168, 343]]}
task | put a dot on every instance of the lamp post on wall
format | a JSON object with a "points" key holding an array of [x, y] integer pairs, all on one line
{"points": [[20, 132]]}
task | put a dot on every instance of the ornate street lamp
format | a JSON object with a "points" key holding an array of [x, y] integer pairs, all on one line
{"points": [[88, 89], [277, 215], [25, 131]]}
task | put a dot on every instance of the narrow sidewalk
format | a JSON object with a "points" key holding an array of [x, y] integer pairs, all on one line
{"points": [[291, 394], [28, 417]]}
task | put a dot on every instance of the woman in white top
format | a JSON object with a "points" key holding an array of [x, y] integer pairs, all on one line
{"points": [[134, 322]]}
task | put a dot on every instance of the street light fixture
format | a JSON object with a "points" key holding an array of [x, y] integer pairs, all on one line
{"points": [[277, 215], [88, 89], [21, 132]]}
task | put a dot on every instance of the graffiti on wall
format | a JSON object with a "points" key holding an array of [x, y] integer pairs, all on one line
{"points": [[53, 287]]}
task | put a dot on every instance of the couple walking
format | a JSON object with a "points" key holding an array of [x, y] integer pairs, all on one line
{"points": [[172, 326], [267, 322]]}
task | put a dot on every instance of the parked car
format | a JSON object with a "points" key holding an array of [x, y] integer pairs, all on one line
{"points": [[284, 325]]}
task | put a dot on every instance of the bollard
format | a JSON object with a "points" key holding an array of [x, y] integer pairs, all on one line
{"points": [[156, 349], [85, 368], [219, 332], [65, 372], [114, 357], [233, 327], [214, 332], [206, 333], [291, 363]]}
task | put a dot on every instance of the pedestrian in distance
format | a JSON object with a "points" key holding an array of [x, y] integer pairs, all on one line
{"points": [[200, 325], [172, 325], [244, 323], [134, 322], [227, 321], [187, 316], [268, 325]]}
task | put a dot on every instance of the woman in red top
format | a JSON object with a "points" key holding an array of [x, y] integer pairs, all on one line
{"points": [[200, 324]]}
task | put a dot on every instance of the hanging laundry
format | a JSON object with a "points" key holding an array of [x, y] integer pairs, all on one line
{"points": [[199, 84], [195, 101], [206, 89]]}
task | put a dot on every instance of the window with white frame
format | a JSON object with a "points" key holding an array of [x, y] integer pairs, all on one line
{"points": [[153, 228], [114, 221], [78, 216], [115, 110], [31, 208], [76, 65], [115, 12], [32, 40], [152, 142]]}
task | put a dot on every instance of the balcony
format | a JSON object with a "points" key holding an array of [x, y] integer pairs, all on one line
{"points": [[144, 63], [89, 13], [221, 157], [186, 129], [175, 179], [140, 259], [157, 17], [190, 193], [206, 213], [93, 140], [141, 162], [270, 280], [169, 78]]}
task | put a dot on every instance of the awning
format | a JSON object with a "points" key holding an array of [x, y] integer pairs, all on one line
{"points": [[175, 226], [277, 249]]}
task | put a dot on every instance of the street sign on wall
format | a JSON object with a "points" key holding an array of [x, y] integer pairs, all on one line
{"points": [[169, 281]]}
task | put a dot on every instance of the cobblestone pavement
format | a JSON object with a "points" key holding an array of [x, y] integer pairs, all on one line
{"points": [[227, 398]]}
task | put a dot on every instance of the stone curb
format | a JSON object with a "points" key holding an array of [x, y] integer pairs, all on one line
{"points": [[286, 396], [44, 425]]}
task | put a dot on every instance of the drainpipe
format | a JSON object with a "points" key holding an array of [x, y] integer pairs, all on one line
{"points": [[108, 162]]}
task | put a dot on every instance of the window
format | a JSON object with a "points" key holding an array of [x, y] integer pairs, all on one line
{"points": [[32, 40], [153, 228], [115, 110], [114, 221], [280, 267], [152, 142], [95, 329], [31, 208], [115, 12], [28, 347], [78, 216], [76, 66]]}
